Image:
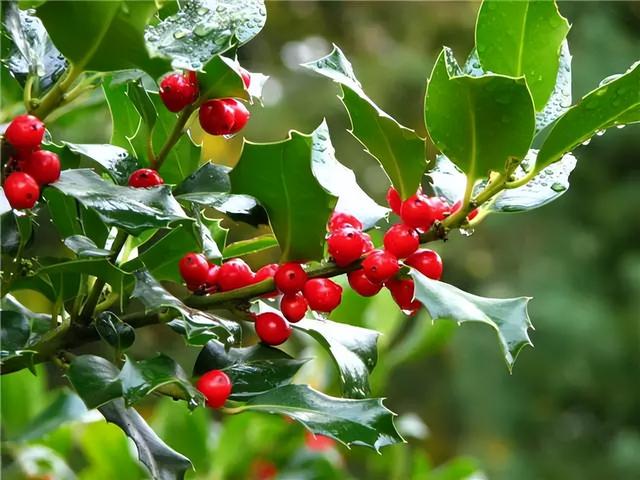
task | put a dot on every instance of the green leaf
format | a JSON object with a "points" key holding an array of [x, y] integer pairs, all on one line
{"points": [[464, 113], [67, 407], [21, 328], [163, 462], [353, 349], [105, 36], [143, 104], [249, 246], [139, 379], [94, 379], [193, 323], [296, 203], [400, 151], [253, 370], [16, 229], [132, 209], [560, 99], [63, 211], [446, 180], [114, 160], [14, 334], [85, 247], [209, 232], [202, 29], [518, 39], [31, 51], [352, 422], [115, 332], [545, 187], [614, 103], [221, 78], [508, 317]]}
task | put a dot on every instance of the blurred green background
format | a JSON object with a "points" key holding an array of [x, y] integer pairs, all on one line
{"points": [[571, 408]]}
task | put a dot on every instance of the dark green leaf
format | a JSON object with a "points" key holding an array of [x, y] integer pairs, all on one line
{"points": [[139, 379], [143, 104], [163, 462], [296, 203], [85, 247], [206, 231], [253, 370], [95, 379], [64, 213], [32, 52], [252, 245], [614, 103], [352, 422], [15, 332], [115, 160], [560, 99], [208, 178], [398, 149], [193, 322], [508, 317], [522, 39], [16, 229], [115, 332], [132, 209], [203, 29], [463, 113], [67, 407]]}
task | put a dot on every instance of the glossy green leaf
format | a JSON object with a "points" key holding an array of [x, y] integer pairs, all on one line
{"points": [[614, 103], [206, 230], [94, 379], [85, 247], [518, 39], [561, 97], [115, 160], [352, 422], [202, 29], [508, 317], [163, 462], [208, 178], [545, 187], [31, 51], [221, 78], [105, 36], [115, 332], [132, 209], [252, 370], [193, 322], [143, 104], [21, 327], [139, 379], [249, 246], [296, 203], [64, 212], [66, 407], [463, 113], [398, 149], [16, 230]]}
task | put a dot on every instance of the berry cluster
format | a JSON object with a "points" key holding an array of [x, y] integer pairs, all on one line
{"points": [[31, 168], [219, 116]]}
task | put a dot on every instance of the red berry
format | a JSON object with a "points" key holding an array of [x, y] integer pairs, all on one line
{"points": [[211, 283], [263, 470], [246, 77], [293, 306], [215, 385], [43, 166], [340, 220], [268, 271], [21, 190], [426, 262], [290, 278], [380, 266], [416, 212], [362, 285], [472, 214], [240, 114], [272, 328], [394, 200], [235, 273], [402, 292], [322, 294], [318, 443], [345, 245], [367, 243], [194, 269], [25, 132], [440, 208], [401, 240], [145, 177], [178, 90], [223, 116]]}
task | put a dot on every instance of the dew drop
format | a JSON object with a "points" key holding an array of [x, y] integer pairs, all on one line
{"points": [[558, 187], [179, 34]]}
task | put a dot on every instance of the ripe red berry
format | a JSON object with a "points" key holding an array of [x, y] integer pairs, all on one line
{"points": [[402, 292], [268, 271], [272, 328], [21, 190], [367, 245], [43, 166], [145, 177], [426, 262], [246, 77], [223, 116], [362, 285], [380, 266], [322, 294], [440, 208], [345, 245], [401, 240], [416, 212], [25, 132], [318, 443], [340, 220], [240, 114], [290, 278], [194, 269], [394, 200], [215, 385], [263, 470], [211, 283], [234, 273], [293, 306], [178, 90]]}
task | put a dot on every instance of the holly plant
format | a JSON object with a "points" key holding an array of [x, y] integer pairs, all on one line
{"points": [[144, 219]]}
